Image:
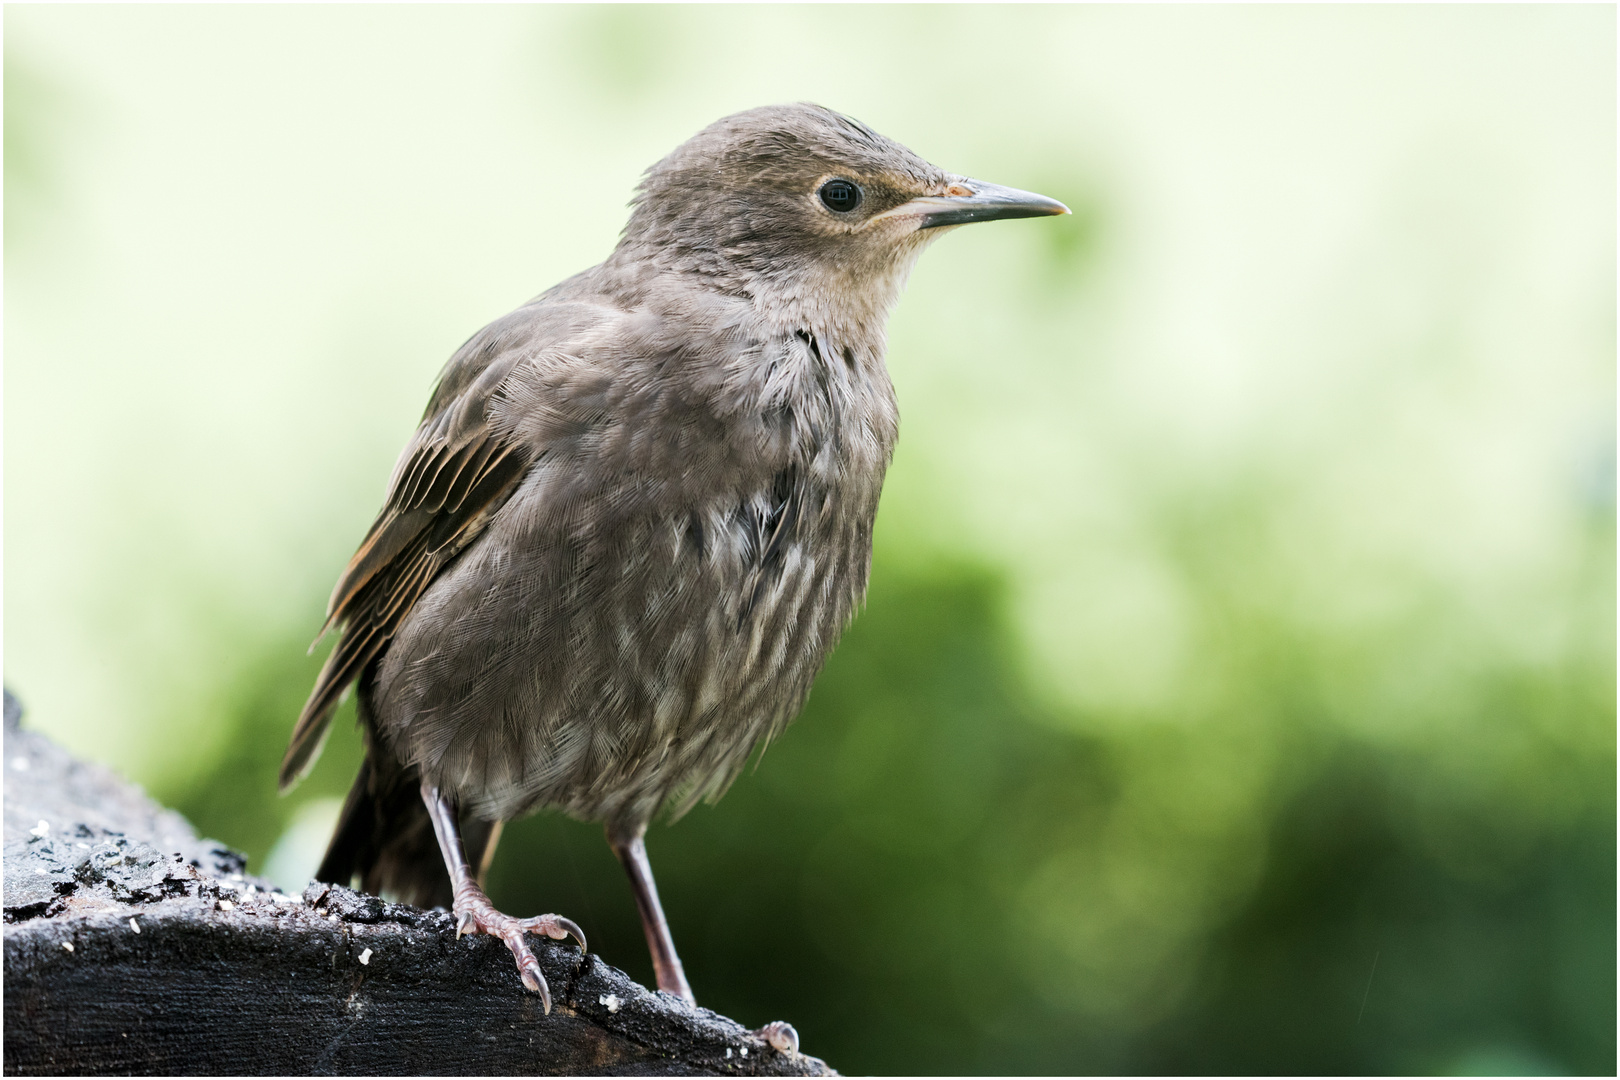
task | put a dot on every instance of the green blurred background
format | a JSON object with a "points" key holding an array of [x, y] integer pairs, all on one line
{"points": [[1236, 688]]}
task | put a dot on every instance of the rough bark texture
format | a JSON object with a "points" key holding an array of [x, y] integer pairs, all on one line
{"points": [[131, 946]]}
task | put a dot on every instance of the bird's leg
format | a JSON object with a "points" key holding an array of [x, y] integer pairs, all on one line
{"points": [[475, 914], [628, 845], [632, 852]]}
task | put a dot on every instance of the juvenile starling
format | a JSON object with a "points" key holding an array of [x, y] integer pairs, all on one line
{"points": [[635, 519]]}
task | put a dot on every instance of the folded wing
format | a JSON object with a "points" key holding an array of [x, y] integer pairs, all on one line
{"points": [[455, 474]]}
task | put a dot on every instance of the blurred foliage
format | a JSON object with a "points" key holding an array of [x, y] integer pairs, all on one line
{"points": [[1237, 687], [911, 874]]}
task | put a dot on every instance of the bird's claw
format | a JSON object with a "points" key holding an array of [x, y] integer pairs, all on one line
{"points": [[476, 915], [557, 927], [781, 1036], [533, 981], [528, 967]]}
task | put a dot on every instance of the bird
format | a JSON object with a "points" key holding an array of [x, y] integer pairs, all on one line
{"points": [[634, 520]]}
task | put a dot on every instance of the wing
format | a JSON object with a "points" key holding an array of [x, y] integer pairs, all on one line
{"points": [[455, 473]]}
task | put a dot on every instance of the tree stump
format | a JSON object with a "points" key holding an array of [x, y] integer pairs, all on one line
{"points": [[132, 946]]}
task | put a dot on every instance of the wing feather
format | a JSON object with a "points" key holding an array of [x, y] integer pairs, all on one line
{"points": [[454, 476]]}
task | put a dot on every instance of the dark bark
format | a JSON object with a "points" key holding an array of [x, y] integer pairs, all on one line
{"points": [[227, 975]]}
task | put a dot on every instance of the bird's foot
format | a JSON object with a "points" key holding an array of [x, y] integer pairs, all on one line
{"points": [[476, 915], [781, 1036]]}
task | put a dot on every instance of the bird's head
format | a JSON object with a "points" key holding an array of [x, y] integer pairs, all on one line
{"points": [[805, 209]]}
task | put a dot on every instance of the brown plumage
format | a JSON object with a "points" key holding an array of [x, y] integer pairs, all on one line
{"points": [[636, 517]]}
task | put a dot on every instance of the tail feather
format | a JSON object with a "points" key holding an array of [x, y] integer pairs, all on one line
{"points": [[384, 841]]}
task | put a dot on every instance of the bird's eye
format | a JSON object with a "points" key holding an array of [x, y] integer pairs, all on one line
{"points": [[840, 196]]}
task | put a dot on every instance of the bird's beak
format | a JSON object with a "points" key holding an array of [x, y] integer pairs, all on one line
{"points": [[968, 201]]}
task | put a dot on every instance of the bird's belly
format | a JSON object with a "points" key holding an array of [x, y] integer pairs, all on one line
{"points": [[608, 676]]}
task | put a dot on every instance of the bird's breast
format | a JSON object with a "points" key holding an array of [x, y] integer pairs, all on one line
{"points": [[631, 626]]}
